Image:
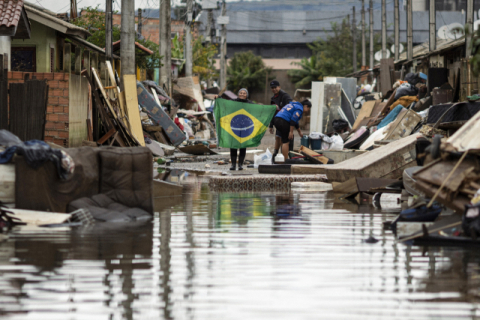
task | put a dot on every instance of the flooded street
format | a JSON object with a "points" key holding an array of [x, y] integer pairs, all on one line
{"points": [[238, 256]]}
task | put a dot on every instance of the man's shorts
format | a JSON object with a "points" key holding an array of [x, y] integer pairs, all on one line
{"points": [[283, 129]]}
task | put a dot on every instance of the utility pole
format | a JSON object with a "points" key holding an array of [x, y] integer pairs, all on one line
{"points": [[364, 53], [371, 35], [384, 29], [139, 23], [165, 77], [397, 30], [188, 40], [469, 27], [127, 46], [433, 28], [354, 31], [208, 38], [223, 50], [409, 30], [108, 30], [73, 9]]}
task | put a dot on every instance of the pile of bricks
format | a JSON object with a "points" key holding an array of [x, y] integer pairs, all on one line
{"points": [[56, 126]]}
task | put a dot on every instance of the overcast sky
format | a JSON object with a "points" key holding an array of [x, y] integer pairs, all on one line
{"points": [[64, 5]]}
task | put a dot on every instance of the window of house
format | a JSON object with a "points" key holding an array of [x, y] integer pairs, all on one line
{"points": [[52, 60], [24, 59]]}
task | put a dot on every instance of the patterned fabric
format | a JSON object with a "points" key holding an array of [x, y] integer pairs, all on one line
{"points": [[260, 182]]}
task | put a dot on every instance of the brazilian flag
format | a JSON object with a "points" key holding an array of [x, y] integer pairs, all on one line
{"points": [[241, 125]]}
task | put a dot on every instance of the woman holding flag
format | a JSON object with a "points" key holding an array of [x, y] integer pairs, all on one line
{"points": [[242, 97]]}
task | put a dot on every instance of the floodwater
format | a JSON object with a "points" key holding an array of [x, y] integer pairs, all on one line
{"points": [[237, 256]]}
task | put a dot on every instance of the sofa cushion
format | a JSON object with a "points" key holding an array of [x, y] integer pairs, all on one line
{"points": [[126, 176], [104, 209]]}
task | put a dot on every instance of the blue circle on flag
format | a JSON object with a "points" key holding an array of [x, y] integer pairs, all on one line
{"points": [[242, 125]]}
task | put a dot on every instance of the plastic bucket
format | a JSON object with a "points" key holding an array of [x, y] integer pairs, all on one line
{"points": [[316, 144], [305, 141]]}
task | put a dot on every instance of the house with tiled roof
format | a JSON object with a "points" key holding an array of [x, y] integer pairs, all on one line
{"points": [[14, 25], [43, 50]]}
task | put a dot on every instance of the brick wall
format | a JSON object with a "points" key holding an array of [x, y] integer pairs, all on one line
{"points": [[56, 125]]}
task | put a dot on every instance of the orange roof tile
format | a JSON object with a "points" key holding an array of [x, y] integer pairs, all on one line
{"points": [[10, 12]]}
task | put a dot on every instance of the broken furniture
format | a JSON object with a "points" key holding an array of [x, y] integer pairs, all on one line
{"points": [[120, 175]]}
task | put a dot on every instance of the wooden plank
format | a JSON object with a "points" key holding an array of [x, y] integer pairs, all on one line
{"points": [[115, 89], [131, 103], [89, 130], [100, 86], [365, 112], [313, 156], [107, 136]]}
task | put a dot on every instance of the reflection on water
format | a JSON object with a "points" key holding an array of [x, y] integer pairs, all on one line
{"points": [[237, 256]]}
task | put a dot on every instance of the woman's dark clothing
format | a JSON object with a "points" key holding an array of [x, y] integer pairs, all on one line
{"points": [[243, 151], [243, 100], [283, 128]]}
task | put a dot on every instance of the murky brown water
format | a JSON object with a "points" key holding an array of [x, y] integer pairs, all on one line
{"points": [[225, 256]]}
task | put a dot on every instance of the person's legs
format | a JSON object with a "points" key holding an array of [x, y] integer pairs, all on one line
{"points": [[285, 149], [283, 130], [241, 158], [278, 145], [233, 157]]}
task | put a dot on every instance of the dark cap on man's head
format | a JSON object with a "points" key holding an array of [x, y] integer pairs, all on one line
{"points": [[274, 84]]}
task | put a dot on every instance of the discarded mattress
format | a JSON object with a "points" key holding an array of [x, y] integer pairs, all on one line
{"points": [[158, 116]]}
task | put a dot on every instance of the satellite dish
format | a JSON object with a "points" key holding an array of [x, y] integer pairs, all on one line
{"points": [[400, 48], [378, 55], [476, 25], [455, 31], [442, 32]]}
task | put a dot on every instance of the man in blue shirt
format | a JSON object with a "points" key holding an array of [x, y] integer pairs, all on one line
{"points": [[285, 121]]}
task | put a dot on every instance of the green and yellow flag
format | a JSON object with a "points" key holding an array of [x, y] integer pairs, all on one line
{"points": [[241, 125]]}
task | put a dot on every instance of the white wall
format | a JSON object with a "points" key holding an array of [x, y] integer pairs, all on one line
{"points": [[5, 45]]}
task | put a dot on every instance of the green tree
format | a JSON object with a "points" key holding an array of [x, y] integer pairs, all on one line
{"points": [[475, 60], [333, 56], [203, 54], [93, 20], [246, 70]]}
